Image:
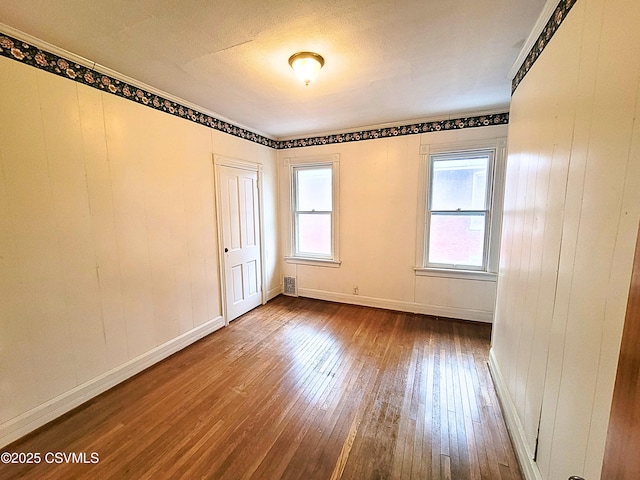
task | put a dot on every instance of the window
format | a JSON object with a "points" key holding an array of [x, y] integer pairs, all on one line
{"points": [[313, 211], [461, 194]]}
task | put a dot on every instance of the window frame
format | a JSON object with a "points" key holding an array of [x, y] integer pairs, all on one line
{"points": [[486, 212], [311, 163], [493, 208]]}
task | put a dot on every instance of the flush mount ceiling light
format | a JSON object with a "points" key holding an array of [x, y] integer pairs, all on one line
{"points": [[307, 65]]}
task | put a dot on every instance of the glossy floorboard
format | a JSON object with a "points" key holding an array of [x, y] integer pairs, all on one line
{"points": [[297, 389]]}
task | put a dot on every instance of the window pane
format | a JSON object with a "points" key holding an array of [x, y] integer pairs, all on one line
{"points": [[459, 184], [313, 189], [457, 239], [314, 233]]}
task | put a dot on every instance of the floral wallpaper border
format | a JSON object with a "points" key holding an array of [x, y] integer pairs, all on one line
{"points": [[549, 30], [34, 56], [31, 55], [414, 128]]}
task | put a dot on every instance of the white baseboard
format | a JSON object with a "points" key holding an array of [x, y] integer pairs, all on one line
{"points": [[274, 292], [412, 307], [36, 417], [529, 468]]}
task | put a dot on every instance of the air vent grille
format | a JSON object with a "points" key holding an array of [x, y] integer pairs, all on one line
{"points": [[290, 287]]}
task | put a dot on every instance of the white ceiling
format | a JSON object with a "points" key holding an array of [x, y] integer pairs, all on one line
{"points": [[386, 61]]}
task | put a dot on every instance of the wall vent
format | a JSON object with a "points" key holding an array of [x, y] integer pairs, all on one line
{"points": [[290, 287]]}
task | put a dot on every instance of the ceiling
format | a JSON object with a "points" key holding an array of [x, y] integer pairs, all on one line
{"points": [[386, 61]]}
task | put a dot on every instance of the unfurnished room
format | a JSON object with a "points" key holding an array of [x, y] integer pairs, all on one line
{"points": [[320, 240]]}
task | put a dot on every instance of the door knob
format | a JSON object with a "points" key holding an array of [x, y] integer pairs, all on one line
{"points": [[226, 250]]}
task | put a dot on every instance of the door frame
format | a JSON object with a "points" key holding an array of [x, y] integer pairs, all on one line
{"points": [[224, 161], [623, 432]]}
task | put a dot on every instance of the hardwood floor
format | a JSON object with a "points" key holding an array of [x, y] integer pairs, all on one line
{"points": [[297, 389]]}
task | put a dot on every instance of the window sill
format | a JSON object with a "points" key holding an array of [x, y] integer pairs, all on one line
{"points": [[317, 262], [450, 273]]}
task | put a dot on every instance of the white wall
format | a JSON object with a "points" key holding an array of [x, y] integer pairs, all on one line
{"points": [[108, 240], [572, 206], [379, 195]]}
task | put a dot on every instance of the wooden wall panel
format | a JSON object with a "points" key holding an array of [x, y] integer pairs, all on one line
{"points": [[18, 372], [621, 460], [103, 224], [127, 155], [30, 206], [572, 204], [108, 250], [72, 234], [623, 437]]}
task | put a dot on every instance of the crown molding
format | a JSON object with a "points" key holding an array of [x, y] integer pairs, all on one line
{"points": [[26, 49], [538, 27], [552, 16], [85, 62]]}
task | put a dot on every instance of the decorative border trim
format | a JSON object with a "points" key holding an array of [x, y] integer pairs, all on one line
{"points": [[24, 52], [544, 38], [18, 427], [399, 131]]}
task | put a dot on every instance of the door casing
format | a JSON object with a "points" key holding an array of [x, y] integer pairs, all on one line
{"points": [[223, 161]]}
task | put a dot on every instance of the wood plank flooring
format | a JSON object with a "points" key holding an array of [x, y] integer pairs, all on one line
{"points": [[297, 389]]}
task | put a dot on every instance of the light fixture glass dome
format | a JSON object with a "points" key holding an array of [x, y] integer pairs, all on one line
{"points": [[307, 65]]}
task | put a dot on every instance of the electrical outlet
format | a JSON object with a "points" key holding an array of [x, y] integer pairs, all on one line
{"points": [[356, 291]]}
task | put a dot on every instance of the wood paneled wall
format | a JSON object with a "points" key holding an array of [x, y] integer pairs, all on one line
{"points": [[621, 461], [108, 237], [571, 212]]}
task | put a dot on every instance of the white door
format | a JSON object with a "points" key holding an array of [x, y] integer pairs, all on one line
{"points": [[240, 239]]}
